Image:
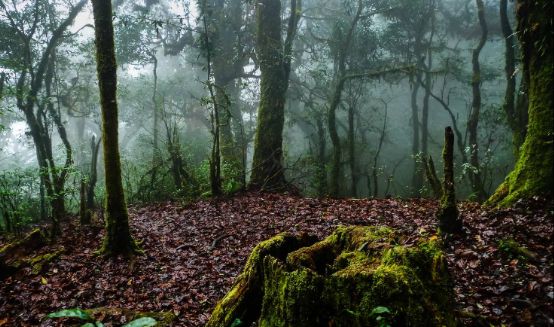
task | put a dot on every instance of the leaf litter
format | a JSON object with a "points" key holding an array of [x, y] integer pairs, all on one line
{"points": [[194, 252]]}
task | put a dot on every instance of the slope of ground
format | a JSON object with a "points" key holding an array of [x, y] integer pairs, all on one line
{"points": [[193, 253]]}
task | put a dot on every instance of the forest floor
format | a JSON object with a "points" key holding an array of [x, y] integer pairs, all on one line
{"points": [[194, 252]]}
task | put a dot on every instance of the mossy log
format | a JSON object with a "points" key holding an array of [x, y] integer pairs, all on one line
{"points": [[23, 253], [294, 281], [12, 254]]}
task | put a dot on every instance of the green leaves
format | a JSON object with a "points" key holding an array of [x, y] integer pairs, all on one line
{"points": [[83, 315], [70, 313], [379, 311], [142, 322], [236, 323]]}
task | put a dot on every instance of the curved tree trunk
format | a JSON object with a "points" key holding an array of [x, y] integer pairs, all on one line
{"points": [[473, 121], [335, 102], [118, 239], [533, 173]]}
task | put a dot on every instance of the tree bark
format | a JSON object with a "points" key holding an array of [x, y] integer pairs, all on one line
{"points": [[118, 239], [533, 172]]}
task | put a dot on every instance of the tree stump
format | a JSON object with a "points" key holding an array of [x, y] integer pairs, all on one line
{"points": [[339, 281], [448, 214]]}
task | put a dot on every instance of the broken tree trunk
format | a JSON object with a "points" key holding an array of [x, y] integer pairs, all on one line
{"points": [[292, 281], [448, 215]]}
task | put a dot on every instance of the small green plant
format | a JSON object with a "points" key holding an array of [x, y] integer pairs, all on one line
{"points": [[91, 322], [382, 316]]}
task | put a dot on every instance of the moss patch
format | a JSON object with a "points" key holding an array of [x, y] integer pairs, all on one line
{"points": [[341, 279]]}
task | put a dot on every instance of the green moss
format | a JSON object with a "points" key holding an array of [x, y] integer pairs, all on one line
{"points": [[244, 299], [533, 173], [339, 280], [39, 262], [515, 250]]}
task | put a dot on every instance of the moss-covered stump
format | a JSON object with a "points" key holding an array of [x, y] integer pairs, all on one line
{"points": [[340, 280], [243, 302]]}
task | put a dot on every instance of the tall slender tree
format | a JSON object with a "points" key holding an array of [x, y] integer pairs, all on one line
{"points": [[118, 239], [533, 173], [473, 121], [515, 114]]}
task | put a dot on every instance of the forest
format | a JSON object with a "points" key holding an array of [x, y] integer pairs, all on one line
{"points": [[227, 163]]}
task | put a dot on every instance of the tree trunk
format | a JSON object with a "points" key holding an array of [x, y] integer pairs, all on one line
{"points": [[321, 171], [417, 177], [473, 121], [533, 173], [93, 176], [432, 178], [352, 152], [516, 118], [118, 239], [267, 168], [293, 281], [155, 127], [335, 102], [448, 215]]}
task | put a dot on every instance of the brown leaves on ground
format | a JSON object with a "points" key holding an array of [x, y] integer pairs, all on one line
{"points": [[193, 254]]}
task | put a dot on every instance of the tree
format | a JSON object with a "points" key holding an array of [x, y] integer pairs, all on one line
{"points": [[533, 172], [336, 98], [473, 121], [118, 239], [515, 114], [275, 60], [34, 74], [228, 44]]}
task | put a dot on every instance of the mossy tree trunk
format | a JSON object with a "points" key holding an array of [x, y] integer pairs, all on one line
{"points": [[473, 121], [448, 215], [296, 281], [118, 239], [275, 60], [533, 172]]}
